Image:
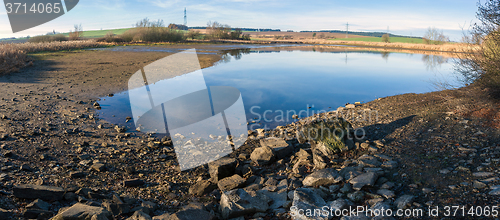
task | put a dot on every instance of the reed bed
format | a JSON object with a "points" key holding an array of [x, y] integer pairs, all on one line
{"points": [[15, 56]]}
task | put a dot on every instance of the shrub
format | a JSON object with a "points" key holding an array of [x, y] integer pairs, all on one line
{"points": [[385, 38], [47, 38], [481, 62], [148, 31], [193, 34], [14, 56]]}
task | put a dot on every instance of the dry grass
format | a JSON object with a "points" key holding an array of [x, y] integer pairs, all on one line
{"points": [[15, 56]]}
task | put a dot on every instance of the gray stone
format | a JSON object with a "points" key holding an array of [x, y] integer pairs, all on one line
{"points": [[306, 199], [38, 204], [482, 174], [333, 188], [279, 198], [386, 193], [349, 172], [232, 182], [391, 164], [239, 202], [322, 177], [478, 185], [365, 179], [404, 201], [189, 214], [356, 196], [117, 208], [138, 215], [346, 188], [279, 146], [262, 155], [369, 161], [5, 214], [133, 182], [100, 167], [80, 211], [202, 187], [165, 216], [221, 168], [37, 214], [340, 204], [47, 193]]}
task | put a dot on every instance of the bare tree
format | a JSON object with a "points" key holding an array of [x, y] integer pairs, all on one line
{"points": [[434, 36], [77, 33], [481, 62]]}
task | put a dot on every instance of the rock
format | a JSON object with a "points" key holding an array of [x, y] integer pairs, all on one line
{"points": [[356, 196], [322, 177], [202, 187], [188, 214], [391, 164], [333, 188], [239, 202], [319, 159], [138, 215], [279, 197], [232, 182], [26, 167], [47, 193], [306, 199], [116, 208], [482, 174], [295, 117], [346, 188], [403, 201], [165, 216], [80, 211], [495, 192], [262, 155], [133, 182], [386, 193], [478, 185], [38, 204], [340, 204], [221, 168], [4, 214], [365, 179], [37, 214], [99, 167], [369, 161], [76, 174], [279, 146]]}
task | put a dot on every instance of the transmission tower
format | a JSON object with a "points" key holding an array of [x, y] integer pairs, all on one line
{"points": [[347, 30], [185, 18]]}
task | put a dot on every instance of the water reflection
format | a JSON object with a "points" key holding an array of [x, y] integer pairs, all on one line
{"points": [[433, 61]]}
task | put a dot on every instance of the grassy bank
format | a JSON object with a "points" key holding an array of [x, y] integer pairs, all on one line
{"points": [[14, 56], [379, 39]]}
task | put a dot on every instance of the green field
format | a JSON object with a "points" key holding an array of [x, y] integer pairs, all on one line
{"points": [[378, 39], [101, 33]]}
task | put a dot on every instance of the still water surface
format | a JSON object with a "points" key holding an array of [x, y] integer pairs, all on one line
{"points": [[276, 84]]}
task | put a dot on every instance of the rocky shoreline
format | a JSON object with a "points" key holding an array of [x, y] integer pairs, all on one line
{"points": [[59, 160]]}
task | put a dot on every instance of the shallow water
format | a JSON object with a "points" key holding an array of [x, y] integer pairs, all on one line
{"points": [[274, 85]]}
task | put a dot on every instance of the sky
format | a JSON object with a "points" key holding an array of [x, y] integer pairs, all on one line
{"points": [[400, 17]]}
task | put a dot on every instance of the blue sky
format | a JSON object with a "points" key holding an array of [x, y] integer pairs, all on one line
{"points": [[402, 17]]}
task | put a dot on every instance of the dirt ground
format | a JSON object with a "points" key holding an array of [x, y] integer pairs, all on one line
{"points": [[47, 112]]}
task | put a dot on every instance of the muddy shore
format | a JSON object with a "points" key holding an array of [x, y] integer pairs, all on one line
{"points": [[445, 144]]}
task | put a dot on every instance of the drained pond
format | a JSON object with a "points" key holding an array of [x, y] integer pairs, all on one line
{"points": [[277, 84]]}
